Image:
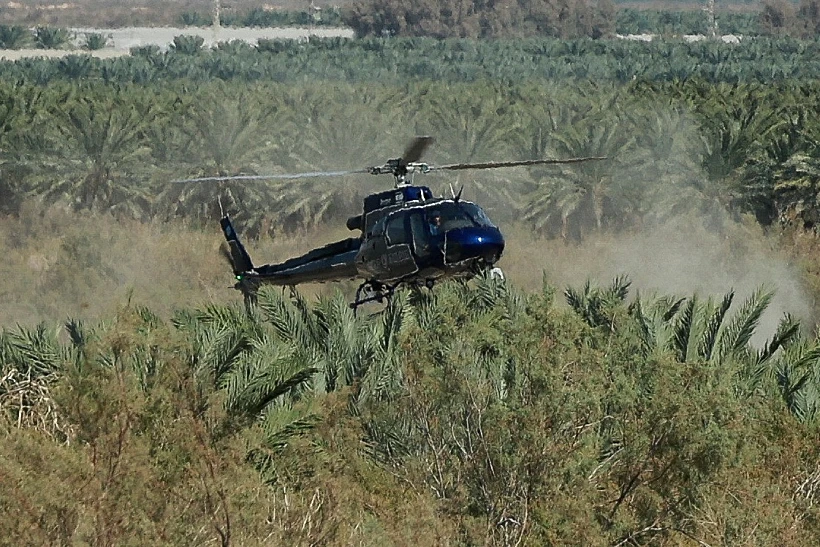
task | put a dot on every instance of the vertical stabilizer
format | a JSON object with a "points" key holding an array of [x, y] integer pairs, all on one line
{"points": [[239, 256]]}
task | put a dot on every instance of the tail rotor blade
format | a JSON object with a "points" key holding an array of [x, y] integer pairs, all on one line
{"points": [[239, 258]]}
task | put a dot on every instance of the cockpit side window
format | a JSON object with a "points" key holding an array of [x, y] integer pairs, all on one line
{"points": [[378, 228], [448, 216]]}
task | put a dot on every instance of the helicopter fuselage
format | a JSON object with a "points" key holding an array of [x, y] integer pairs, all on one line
{"points": [[407, 237]]}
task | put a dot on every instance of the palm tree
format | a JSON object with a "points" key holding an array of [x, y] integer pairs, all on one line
{"points": [[332, 129], [695, 331], [470, 123], [700, 331], [328, 336], [597, 306], [764, 167], [46, 37], [797, 375], [232, 351], [229, 130], [589, 195], [272, 359], [101, 151], [31, 360], [22, 137], [665, 169], [224, 132], [733, 121], [14, 36], [796, 190]]}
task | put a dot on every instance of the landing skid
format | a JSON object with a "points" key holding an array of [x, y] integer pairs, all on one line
{"points": [[373, 291]]}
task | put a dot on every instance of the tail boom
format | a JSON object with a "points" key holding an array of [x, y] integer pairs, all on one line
{"points": [[329, 263]]}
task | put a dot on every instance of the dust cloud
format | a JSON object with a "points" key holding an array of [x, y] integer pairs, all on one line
{"points": [[679, 258], [698, 247]]}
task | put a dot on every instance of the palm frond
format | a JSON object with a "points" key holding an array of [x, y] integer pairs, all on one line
{"points": [[619, 289], [792, 386], [258, 384], [682, 331], [292, 318], [713, 324], [283, 423], [672, 309], [646, 333], [787, 331], [737, 334]]}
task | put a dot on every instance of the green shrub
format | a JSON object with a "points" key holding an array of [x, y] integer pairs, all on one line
{"points": [[149, 50], [14, 36], [51, 37], [195, 19], [94, 41], [187, 44]]}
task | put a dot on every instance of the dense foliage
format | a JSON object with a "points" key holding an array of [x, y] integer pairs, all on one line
{"points": [[695, 21], [396, 61], [747, 148], [570, 19], [475, 414], [486, 19], [780, 17]]}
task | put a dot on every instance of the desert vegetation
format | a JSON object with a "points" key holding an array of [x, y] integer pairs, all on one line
{"points": [[475, 414], [673, 401]]}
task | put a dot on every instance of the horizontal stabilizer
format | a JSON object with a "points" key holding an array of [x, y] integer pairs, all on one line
{"points": [[239, 256]]}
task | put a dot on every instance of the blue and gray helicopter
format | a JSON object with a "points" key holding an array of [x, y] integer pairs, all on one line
{"points": [[407, 236]]}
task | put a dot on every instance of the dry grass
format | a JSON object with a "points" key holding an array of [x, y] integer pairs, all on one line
{"points": [[58, 264]]}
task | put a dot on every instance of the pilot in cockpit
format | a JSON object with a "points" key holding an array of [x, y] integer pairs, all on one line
{"points": [[435, 222]]}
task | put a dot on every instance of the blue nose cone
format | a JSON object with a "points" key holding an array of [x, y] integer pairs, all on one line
{"points": [[485, 243]]}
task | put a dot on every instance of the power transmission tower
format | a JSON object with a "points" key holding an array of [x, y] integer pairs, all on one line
{"points": [[711, 20]]}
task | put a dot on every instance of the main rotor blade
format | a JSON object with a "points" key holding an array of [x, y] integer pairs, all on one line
{"points": [[416, 149], [497, 164], [286, 176]]}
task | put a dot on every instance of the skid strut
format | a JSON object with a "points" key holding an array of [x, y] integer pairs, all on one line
{"points": [[373, 291]]}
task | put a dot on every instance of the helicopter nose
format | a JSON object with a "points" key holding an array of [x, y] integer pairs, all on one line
{"points": [[476, 242]]}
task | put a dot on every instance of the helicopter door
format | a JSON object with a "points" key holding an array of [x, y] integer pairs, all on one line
{"points": [[421, 241], [398, 259]]}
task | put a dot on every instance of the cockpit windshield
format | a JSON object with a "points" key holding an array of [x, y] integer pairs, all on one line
{"points": [[449, 215]]}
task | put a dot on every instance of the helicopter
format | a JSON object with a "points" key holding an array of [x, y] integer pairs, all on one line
{"points": [[407, 236]]}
